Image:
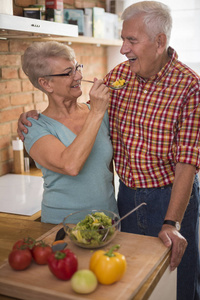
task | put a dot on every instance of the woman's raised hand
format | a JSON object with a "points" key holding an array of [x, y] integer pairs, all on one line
{"points": [[99, 96]]}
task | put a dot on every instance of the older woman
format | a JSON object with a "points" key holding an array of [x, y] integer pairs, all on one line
{"points": [[70, 141]]}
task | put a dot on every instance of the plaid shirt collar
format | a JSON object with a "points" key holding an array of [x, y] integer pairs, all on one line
{"points": [[158, 77]]}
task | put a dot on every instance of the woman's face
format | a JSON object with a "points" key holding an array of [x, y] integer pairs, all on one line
{"points": [[68, 86]]}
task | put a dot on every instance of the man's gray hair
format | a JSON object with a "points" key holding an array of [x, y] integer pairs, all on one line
{"points": [[156, 16]]}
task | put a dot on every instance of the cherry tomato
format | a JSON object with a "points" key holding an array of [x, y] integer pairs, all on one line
{"points": [[41, 253], [20, 259], [24, 243]]}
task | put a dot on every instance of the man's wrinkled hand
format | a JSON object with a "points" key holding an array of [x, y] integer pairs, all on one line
{"points": [[172, 238], [23, 121]]}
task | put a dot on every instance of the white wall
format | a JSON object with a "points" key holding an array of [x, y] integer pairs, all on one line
{"points": [[185, 38]]}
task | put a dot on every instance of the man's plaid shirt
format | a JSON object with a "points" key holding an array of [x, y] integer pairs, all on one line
{"points": [[155, 123]]}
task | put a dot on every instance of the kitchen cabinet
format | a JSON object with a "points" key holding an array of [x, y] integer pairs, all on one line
{"points": [[147, 260]]}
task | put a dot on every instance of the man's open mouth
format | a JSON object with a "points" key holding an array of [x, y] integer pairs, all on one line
{"points": [[132, 59]]}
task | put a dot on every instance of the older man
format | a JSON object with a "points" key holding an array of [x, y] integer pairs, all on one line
{"points": [[155, 130]]}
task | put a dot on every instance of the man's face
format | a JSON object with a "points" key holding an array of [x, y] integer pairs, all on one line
{"points": [[139, 48]]}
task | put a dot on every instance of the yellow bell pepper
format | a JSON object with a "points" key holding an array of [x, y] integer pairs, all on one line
{"points": [[108, 267]]}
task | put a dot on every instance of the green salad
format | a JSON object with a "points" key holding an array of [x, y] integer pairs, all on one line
{"points": [[93, 230]]}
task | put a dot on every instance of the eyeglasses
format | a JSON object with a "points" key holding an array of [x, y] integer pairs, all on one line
{"points": [[72, 72]]}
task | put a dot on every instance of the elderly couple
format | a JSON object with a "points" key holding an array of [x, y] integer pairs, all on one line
{"points": [[153, 124]]}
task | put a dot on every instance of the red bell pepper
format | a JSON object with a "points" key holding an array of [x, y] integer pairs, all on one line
{"points": [[63, 264]]}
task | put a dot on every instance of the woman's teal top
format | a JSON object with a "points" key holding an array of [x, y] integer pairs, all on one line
{"points": [[92, 188]]}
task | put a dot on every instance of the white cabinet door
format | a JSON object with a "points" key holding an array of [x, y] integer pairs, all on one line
{"points": [[166, 287]]}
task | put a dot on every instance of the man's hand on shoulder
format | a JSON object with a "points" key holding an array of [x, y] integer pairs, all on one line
{"points": [[23, 121]]}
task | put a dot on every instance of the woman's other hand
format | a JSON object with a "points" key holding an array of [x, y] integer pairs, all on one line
{"points": [[23, 121]]}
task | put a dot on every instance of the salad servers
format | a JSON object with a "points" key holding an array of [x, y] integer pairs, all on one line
{"points": [[109, 86], [122, 218], [130, 212]]}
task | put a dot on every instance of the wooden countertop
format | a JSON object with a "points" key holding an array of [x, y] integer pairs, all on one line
{"points": [[33, 172], [13, 229]]}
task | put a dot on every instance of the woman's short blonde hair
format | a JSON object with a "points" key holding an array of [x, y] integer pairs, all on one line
{"points": [[156, 16], [35, 61]]}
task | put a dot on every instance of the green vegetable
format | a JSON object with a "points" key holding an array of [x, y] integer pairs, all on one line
{"points": [[84, 282], [93, 230]]}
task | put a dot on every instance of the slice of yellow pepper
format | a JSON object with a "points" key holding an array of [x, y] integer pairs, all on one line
{"points": [[108, 267], [119, 82]]}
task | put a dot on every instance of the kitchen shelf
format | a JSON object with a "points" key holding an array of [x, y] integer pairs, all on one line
{"points": [[90, 40], [19, 35]]}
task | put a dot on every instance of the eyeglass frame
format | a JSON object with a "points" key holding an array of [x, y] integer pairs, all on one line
{"points": [[67, 74]]}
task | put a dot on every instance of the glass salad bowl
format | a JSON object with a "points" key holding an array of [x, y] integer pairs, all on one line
{"points": [[92, 228]]}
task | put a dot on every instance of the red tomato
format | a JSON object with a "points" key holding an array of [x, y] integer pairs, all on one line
{"points": [[24, 243], [40, 253], [20, 259], [63, 264]]}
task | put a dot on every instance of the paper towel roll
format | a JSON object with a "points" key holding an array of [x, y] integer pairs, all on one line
{"points": [[6, 7], [17, 145], [18, 155]]}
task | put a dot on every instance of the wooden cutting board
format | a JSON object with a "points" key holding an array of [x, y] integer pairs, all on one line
{"points": [[143, 255]]}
